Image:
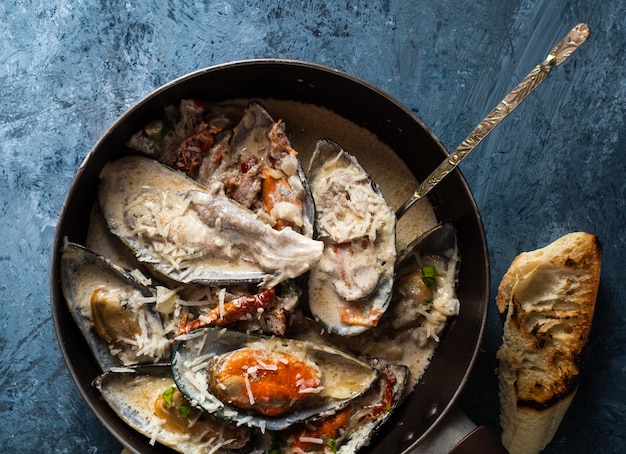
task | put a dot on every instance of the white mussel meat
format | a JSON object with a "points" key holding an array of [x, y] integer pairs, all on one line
{"points": [[193, 234], [350, 287], [266, 382], [147, 399], [114, 312]]}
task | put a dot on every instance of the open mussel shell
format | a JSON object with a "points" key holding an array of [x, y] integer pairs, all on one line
{"points": [[343, 377], [425, 294], [83, 272], [193, 234], [351, 286], [251, 136], [144, 398], [375, 408], [349, 430]]}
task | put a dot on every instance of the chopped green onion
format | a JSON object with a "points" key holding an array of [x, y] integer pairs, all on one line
{"points": [[275, 449], [184, 410], [166, 130], [290, 288], [332, 444], [167, 395], [430, 274]]}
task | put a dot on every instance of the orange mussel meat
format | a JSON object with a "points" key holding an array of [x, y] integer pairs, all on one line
{"points": [[267, 382]]}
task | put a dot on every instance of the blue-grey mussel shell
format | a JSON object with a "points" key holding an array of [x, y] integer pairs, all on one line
{"points": [[194, 234], [111, 309], [343, 378], [145, 397], [351, 286]]}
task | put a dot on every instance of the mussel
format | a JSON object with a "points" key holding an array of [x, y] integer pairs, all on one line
{"points": [[265, 174], [193, 234], [266, 382], [114, 312], [147, 399], [350, 287], [352, 428], [425, 291]]}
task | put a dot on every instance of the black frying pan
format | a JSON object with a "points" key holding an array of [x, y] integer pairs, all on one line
{"points": [[362, 104]]}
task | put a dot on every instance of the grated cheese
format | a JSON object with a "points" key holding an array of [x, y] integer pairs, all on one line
{"points": [[200, 362], [248, 388], [316, 390], [156, 431], [122, 369], [348, 207], [314, 440], [245, 421], [221, 297]]}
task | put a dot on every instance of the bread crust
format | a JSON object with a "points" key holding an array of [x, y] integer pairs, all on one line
{"points": [[549, 296], [579, 250]]}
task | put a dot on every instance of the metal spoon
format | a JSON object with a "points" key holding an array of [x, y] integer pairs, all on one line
{"points": [[558, 55]]}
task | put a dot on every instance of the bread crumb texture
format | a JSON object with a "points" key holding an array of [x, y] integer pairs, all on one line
{"points": [[549, 297]]}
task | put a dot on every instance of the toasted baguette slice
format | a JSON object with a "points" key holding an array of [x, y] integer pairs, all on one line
{"points": [[549, 295], [580, 248]]}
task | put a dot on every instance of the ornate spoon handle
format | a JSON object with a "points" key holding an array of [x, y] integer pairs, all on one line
{"points": [[558, 55]]}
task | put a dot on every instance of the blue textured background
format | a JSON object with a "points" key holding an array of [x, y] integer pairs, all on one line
{"points": [[69, 68]]}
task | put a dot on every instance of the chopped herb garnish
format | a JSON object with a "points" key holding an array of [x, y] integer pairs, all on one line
{"points": [[276, 448], [167, 395], [166, 130], [430, 274], [184, 410], [290, 288], [332, 444]]}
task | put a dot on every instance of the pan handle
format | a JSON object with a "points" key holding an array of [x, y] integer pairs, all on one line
{"points": [[457, 434], [480, 439]]}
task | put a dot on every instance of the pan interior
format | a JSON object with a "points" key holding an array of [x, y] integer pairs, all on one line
{"points": [[415, 149]]}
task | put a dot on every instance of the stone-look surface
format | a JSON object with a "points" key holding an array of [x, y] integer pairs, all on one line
{"points": [[69, 68]]}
